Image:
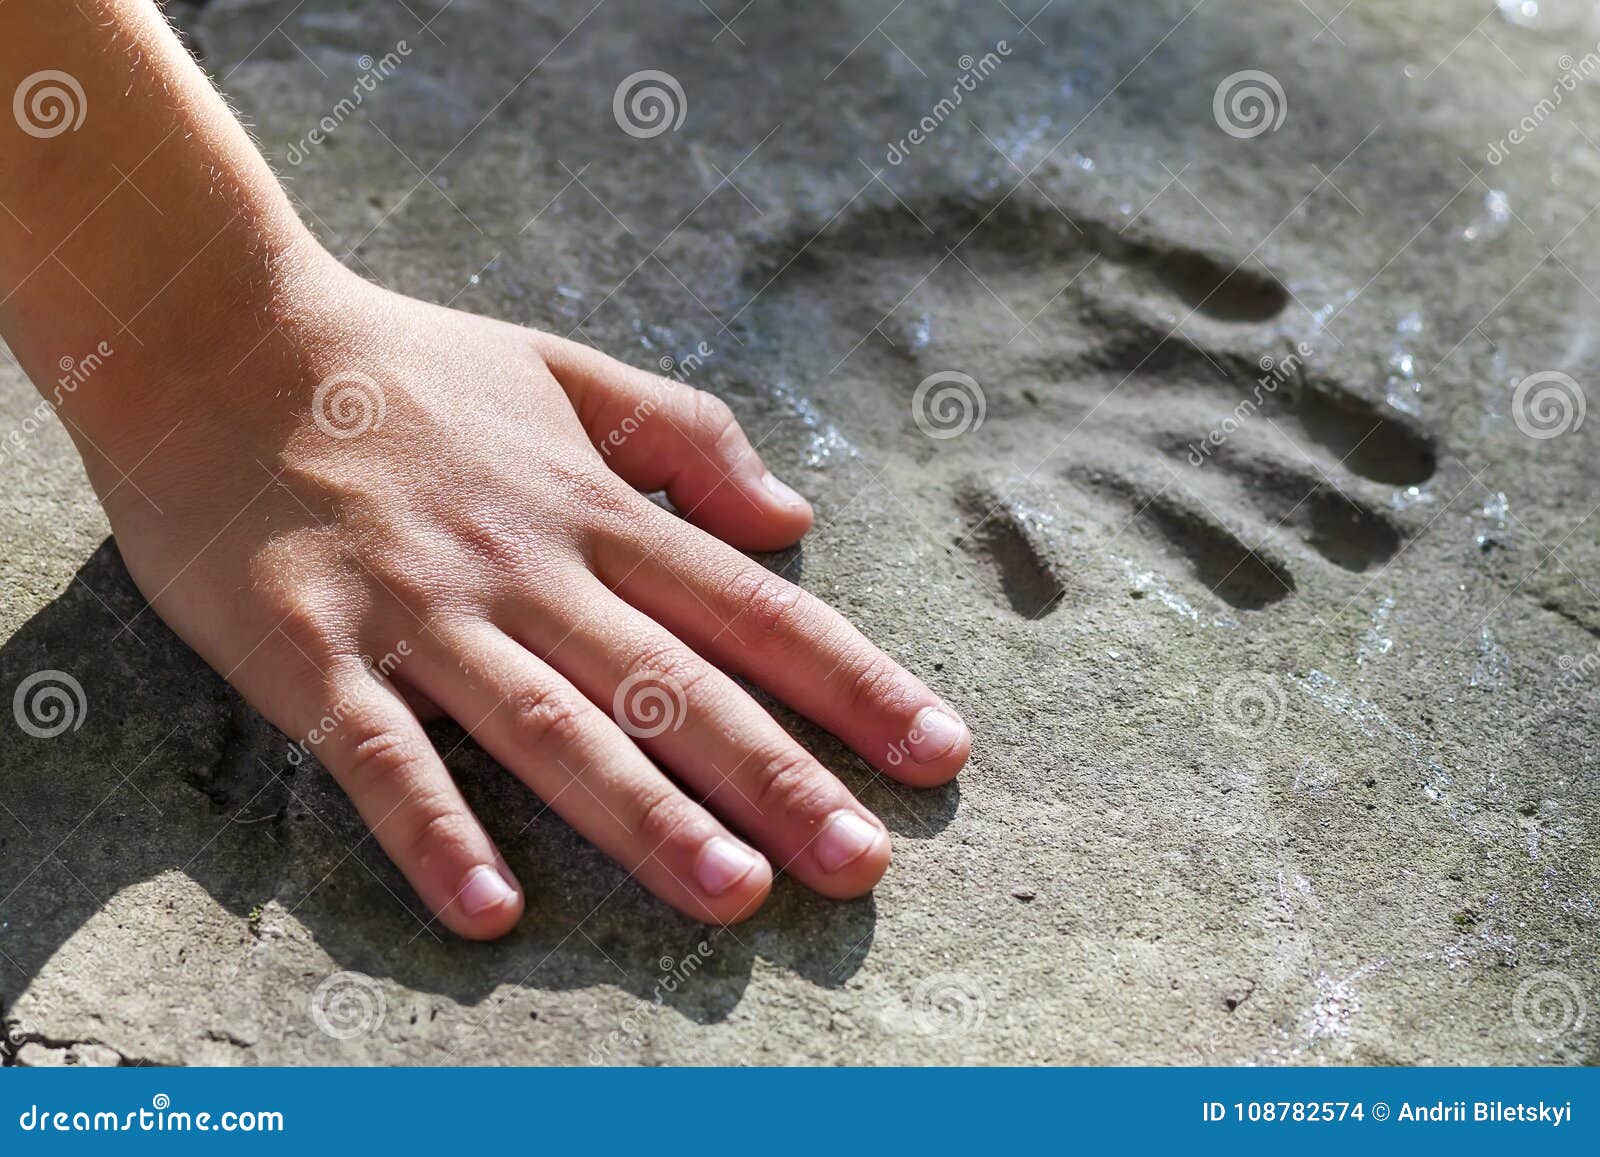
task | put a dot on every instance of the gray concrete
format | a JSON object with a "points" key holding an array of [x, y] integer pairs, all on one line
{"points": [[1355, 821]]}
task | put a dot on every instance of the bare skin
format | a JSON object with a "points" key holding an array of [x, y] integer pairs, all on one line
{"points": [[363, 510]]}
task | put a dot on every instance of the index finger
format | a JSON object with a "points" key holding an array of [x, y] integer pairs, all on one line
{"points": [[756, 624]]}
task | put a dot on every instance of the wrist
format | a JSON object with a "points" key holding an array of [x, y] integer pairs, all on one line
{"points": [[144, 239], [109, 372]]}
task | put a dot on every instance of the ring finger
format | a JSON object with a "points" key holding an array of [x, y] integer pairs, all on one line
{"points": [[576, 759], [716, 739]]}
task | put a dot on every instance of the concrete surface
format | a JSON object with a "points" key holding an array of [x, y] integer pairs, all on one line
{"points": [[1287, 756]]}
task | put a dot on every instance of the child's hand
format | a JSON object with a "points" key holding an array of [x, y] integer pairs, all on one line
{"points": [[304, 471], [377, 477]]}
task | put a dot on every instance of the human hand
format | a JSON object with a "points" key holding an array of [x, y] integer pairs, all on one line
{"points": [[349, 473], [462, 534]]}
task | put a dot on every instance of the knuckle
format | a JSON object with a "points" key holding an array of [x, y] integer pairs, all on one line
{"points": [[873, 682], [545, 716], [390, 556], [588, 484], [439, 834], [662, 818], [776, 609], [670, 664], [598, 495], [495, 539], [302, 624], [789, 782], [712, 416], [541, 350], [376, 757], [716, 423]]}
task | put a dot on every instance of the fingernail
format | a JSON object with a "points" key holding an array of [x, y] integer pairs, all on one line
{"points": [[485, 888], [721, 864], [781, 490], [846, 839], [933, 734]]}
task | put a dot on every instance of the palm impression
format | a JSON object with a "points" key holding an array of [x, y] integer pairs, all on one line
{"points": [[1109, 409]]}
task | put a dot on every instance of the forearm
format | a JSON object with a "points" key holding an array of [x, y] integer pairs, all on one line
{"points": [[134, 209]]}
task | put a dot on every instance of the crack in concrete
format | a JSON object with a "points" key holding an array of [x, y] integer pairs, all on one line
{"points": [[16, 1039]]}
